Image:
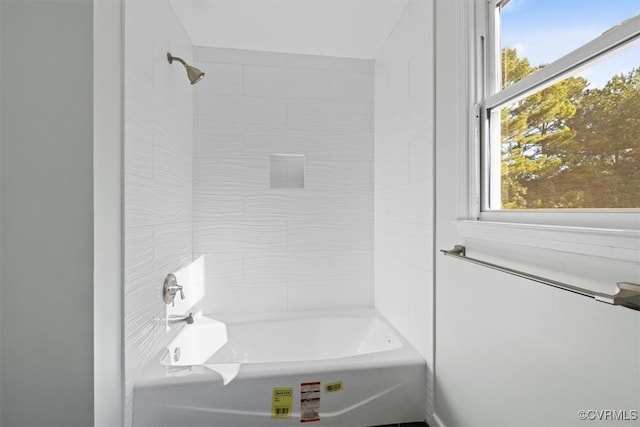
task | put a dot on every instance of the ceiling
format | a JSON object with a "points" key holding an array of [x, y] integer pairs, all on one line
{"points": [[344, 28]]}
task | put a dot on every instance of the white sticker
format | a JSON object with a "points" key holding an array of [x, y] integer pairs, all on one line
{"points": [[309, 402]]}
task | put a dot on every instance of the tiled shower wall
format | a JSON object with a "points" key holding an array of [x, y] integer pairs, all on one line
{"points": [[282, 249], [404, 177], [404, 164], [158, 174]]}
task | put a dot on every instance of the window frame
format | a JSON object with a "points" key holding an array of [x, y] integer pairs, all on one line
{"points": [[585, 229]]}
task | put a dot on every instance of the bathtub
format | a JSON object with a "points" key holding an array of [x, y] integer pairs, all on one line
{"points": [[330, 368]]}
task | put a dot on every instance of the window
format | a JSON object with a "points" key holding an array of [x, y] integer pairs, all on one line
{"points": [[558, 108]]}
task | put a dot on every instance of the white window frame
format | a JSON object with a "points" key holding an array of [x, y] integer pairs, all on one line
{"points": [[610, 233]]}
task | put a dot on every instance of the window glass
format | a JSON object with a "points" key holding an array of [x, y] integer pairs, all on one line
{"points": [[534, 33], [574, 144]]}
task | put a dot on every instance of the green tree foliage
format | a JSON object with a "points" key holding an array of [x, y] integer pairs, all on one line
{"points": [[569, 146]]}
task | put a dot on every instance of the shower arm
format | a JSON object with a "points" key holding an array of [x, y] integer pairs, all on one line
{"points": [[172, 58]]}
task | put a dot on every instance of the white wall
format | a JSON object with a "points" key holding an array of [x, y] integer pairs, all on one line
{"points": [[47, 219], [158, 129], [404, 178], [107, 210], [511, 352], [282, 249]]}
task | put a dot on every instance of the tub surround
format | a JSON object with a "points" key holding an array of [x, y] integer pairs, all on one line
{"points": [[277, 248], [273, 240], [262, 248], [158, 133], [404, 177]]}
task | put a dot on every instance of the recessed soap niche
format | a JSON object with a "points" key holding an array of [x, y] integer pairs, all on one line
{"points": [[287, 170]]}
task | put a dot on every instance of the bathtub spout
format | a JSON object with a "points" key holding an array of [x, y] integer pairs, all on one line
{"points": [[188, 319]]}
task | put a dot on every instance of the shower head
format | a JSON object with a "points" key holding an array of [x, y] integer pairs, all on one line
{"points": [[193, 74]]}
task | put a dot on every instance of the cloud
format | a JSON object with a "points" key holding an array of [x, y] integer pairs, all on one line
{"points": [[521, 49]]}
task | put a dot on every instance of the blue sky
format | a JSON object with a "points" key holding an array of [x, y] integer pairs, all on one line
{"points": [[544, 30]]}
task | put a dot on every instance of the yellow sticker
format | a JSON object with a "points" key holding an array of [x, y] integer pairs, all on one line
{"points": [[334, 386], [282, 402]]}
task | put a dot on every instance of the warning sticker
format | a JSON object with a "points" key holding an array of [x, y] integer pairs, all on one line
{"points": [[281, 402], [309, 402], [334, 386]]}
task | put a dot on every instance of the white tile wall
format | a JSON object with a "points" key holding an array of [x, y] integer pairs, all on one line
{"points": [[140, 154], [139, 241], [256, 297], [404, 177], [238, 56], [330, 63], [227, 111], [285, 204], [284, 249], [350, 86], [326, 294], [338, 116], [285, 82], [239, 236], [158, 175], [222, 79]]}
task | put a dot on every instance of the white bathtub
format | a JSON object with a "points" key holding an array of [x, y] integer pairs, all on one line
{"points": [[225, 371]]}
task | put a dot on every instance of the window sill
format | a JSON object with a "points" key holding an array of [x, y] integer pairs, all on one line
{"points": [[618, 244]]}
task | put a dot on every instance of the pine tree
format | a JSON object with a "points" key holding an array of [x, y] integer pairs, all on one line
{"points": [[569, 146]]}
